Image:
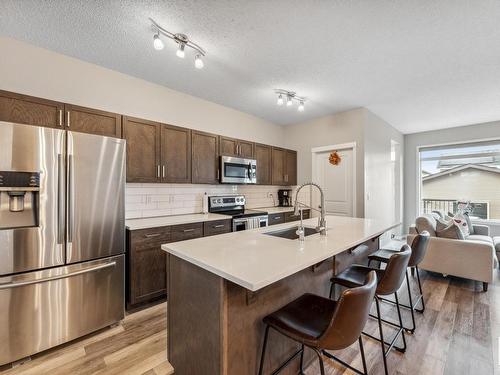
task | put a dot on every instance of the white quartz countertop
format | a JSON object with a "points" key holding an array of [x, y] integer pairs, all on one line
{"points": [[275, 209], [253, 259], [160, 221]]}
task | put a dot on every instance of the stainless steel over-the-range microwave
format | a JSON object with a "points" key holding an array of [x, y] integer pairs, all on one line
{"points": [[238, 170]]}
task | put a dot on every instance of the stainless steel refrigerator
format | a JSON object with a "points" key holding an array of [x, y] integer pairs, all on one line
{"points": [[62, 236]]}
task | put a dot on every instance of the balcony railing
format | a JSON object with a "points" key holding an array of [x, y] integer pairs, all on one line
{"points": [[479, 209]]}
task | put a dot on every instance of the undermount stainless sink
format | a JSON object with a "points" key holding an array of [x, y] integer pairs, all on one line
{"points": [[290, 234]]}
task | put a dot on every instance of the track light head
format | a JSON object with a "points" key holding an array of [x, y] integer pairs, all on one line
{"points": [[280, 99], [198, 62], [157, 42], [180, 51]]}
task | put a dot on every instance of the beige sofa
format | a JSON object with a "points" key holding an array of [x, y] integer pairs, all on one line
{"points": [[473, 258]]}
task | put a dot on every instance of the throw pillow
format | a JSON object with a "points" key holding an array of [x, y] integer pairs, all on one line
{"points": [[469, 223], [451, 231], [461, 222], [442, 224]]}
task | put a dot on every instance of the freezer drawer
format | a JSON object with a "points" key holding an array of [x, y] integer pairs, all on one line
{"points": [[39, 310]]}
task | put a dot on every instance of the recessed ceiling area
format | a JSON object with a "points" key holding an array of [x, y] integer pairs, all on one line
{"points": [[419, 65]]}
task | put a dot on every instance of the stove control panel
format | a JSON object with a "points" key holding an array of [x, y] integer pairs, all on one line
{"points": [[226, 201]]}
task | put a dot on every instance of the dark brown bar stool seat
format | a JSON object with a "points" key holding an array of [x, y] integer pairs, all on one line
{"points": [[389, 281], [322, 324], [418, 250]]}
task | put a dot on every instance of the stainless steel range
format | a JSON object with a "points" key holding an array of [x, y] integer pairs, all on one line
{"points": [[235, 206], [62, 236]]}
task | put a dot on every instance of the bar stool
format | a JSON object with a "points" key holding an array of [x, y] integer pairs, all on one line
{"points": [[322, 324], [418, 250], [389, 281]]}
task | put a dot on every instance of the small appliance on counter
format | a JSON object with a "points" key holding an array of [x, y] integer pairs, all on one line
{"points": [[285, 197], [235, 206]]}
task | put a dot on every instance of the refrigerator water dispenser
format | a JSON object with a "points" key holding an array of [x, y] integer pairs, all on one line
{"points": [[19, 194]]}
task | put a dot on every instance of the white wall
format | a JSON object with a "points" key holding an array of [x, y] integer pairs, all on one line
{"points": [[378, 165], [342, 127], [489, 130], [39, 72]]}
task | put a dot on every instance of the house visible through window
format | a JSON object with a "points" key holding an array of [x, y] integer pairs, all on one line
{"points": [[467, 172]]}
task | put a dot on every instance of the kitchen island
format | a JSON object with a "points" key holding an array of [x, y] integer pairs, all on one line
{"points": [[220, 288]]}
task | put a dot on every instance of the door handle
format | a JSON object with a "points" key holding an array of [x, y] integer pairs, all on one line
{"points": [[60, 117], [188, 230], [217, 174], [70, 199], [58, 277], [218, 226], [163, 169], [68, 119], [158, 171], [60, 200], [152, 235]]}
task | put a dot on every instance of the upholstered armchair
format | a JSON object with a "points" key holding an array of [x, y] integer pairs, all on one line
{"points": [[472, 258]]}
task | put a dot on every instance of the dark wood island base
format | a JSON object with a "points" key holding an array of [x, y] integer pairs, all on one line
{"points": [[215, 326]]}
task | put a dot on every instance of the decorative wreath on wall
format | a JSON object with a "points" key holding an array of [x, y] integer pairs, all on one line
{"points": [[334, 158]]}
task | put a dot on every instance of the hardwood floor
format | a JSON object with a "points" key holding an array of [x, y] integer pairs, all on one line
{"points": [[457, 334], [136, 346]]}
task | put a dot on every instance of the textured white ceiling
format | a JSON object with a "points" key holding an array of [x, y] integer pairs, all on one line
{"points": [[419, 65]]}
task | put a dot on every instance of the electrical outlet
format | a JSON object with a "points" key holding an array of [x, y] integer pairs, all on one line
{"points": [[269, 195]]}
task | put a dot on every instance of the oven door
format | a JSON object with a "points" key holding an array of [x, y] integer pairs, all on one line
{"points": [[238, 170], [239, 225]]}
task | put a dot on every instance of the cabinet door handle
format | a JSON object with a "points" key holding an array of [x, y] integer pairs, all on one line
{"points": [[188, 230], [163, 171], [60, 117], [277, 218], [68, 119], [217, 174], [152, 235], [218, 226]]}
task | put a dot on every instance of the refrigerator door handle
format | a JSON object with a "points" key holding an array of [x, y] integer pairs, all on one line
{"points": [[70, 199], [58, 277], [60, 200]]}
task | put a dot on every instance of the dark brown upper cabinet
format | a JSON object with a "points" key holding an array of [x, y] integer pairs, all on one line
{"points": [[175, 154], [278, 166], [93, 121], [205, 158], [263, 155], [291, 167], [236, 147], [143, 149], [24, 109]]}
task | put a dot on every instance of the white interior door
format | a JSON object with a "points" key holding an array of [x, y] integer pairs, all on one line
{"points": [[337, 182]]}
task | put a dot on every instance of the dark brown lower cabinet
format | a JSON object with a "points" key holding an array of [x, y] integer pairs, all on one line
{"points": [[211, 228], [290, 216], [146, 265], [147, 262]]}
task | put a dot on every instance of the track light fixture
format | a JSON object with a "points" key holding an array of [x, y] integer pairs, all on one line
{"points": [[280, 99], [157, 42], [182, 41], [291, 96]]}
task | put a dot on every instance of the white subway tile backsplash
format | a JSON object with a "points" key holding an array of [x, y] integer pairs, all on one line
{"points": [[149, 200]]}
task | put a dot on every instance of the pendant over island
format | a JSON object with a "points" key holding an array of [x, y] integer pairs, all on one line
{"points": [[220, 288]]}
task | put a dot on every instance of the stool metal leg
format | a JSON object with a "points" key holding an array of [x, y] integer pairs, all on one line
{"points": [[420, 289], [263, 350], [382, 343], [320, 358], [302, 361], [363, 359], [411, 330], [400, 322]]}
